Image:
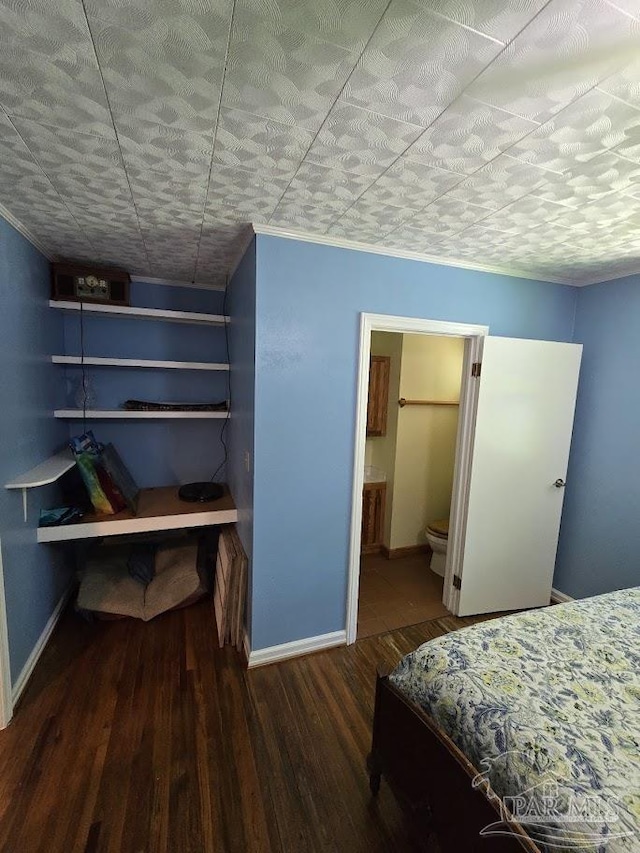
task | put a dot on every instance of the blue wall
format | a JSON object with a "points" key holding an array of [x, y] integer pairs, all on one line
{"points": [[241, 306], [599, 546], [309, 298], [35, 576], [157, 452]]}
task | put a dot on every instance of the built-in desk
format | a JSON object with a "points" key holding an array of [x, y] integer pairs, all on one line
{"points": [[158, 509]]}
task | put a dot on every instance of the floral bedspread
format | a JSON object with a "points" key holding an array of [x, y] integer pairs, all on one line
{"points": [[546, 704]]}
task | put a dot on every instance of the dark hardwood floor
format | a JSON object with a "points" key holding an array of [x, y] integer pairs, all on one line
{"points": [[137, 737]]}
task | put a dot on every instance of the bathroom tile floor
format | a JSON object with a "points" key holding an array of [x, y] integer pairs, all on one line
{"points": [[397, 593]]}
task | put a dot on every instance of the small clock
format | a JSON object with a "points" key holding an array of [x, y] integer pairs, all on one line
{"points": [[86, 284], [92, 287]]}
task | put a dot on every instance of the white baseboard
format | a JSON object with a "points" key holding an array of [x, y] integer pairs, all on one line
{"points": [[261, 657], [32, 660], [246, 645], [560, 597]]}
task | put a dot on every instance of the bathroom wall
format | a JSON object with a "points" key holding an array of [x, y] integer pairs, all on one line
{"points": [[381, 450], [426, 436]]}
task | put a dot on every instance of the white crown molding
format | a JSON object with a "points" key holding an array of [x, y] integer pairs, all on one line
{"points": [[272, 654], [340, 243], [169, 282], [22, 229]]}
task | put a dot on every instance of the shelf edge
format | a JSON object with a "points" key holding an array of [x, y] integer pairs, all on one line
{"points": [[94, 361], [93, 529], [125, 414], [130, 312]]}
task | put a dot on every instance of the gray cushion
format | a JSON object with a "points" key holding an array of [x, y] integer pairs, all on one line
{"points": [[107, 587]]}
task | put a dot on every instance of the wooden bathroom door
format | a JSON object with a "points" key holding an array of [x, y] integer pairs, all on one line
{"points": [[524, 421]]}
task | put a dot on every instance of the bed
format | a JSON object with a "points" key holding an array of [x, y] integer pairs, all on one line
{"points": [[520, 733]]}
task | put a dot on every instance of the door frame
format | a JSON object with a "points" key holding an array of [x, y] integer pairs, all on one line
{"points": [[474, 337]]}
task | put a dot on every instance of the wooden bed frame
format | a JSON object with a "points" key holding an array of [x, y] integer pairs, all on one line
{"points": [[432, 779]]}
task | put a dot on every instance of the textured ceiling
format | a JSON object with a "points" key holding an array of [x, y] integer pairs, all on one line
{"points": [[495, 133]]}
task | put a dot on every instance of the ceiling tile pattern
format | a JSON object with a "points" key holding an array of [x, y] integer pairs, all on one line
{"points": [[497, 133], [500, 19], [259, 144], [62, 89], [167, 68], [163, 149], [499, 182], [171, 194], [411, 183], [247, 194], [563, 52], [589, 126], [347, 23], [448, 216], [361, 141], [469, 134], [278, 72], [416, 63]]}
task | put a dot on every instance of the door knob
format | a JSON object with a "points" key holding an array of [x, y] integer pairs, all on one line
{"points": [[559, 483]]}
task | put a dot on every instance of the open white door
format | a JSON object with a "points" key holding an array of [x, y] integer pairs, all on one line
{"points": [[524, 421]]}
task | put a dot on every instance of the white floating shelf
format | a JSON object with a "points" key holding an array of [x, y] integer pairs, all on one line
{"points": [[126, 414], [44, 474], [158, 509], [197, 285], [124, 311], [76, 361]]}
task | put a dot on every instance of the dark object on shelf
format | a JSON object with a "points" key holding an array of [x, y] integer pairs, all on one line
{"points": [[110, 486], [200, 492], [121, 476], [58, 515], [73, 491], [146, 406], [86, 451], [89, 284]]}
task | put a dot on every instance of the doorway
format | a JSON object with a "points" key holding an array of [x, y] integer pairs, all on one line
{"points": [[412, 416], [396, 587], [517, 405]]}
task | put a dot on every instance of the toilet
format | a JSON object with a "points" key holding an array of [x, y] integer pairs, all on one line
{"points": [[437, 534]]}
